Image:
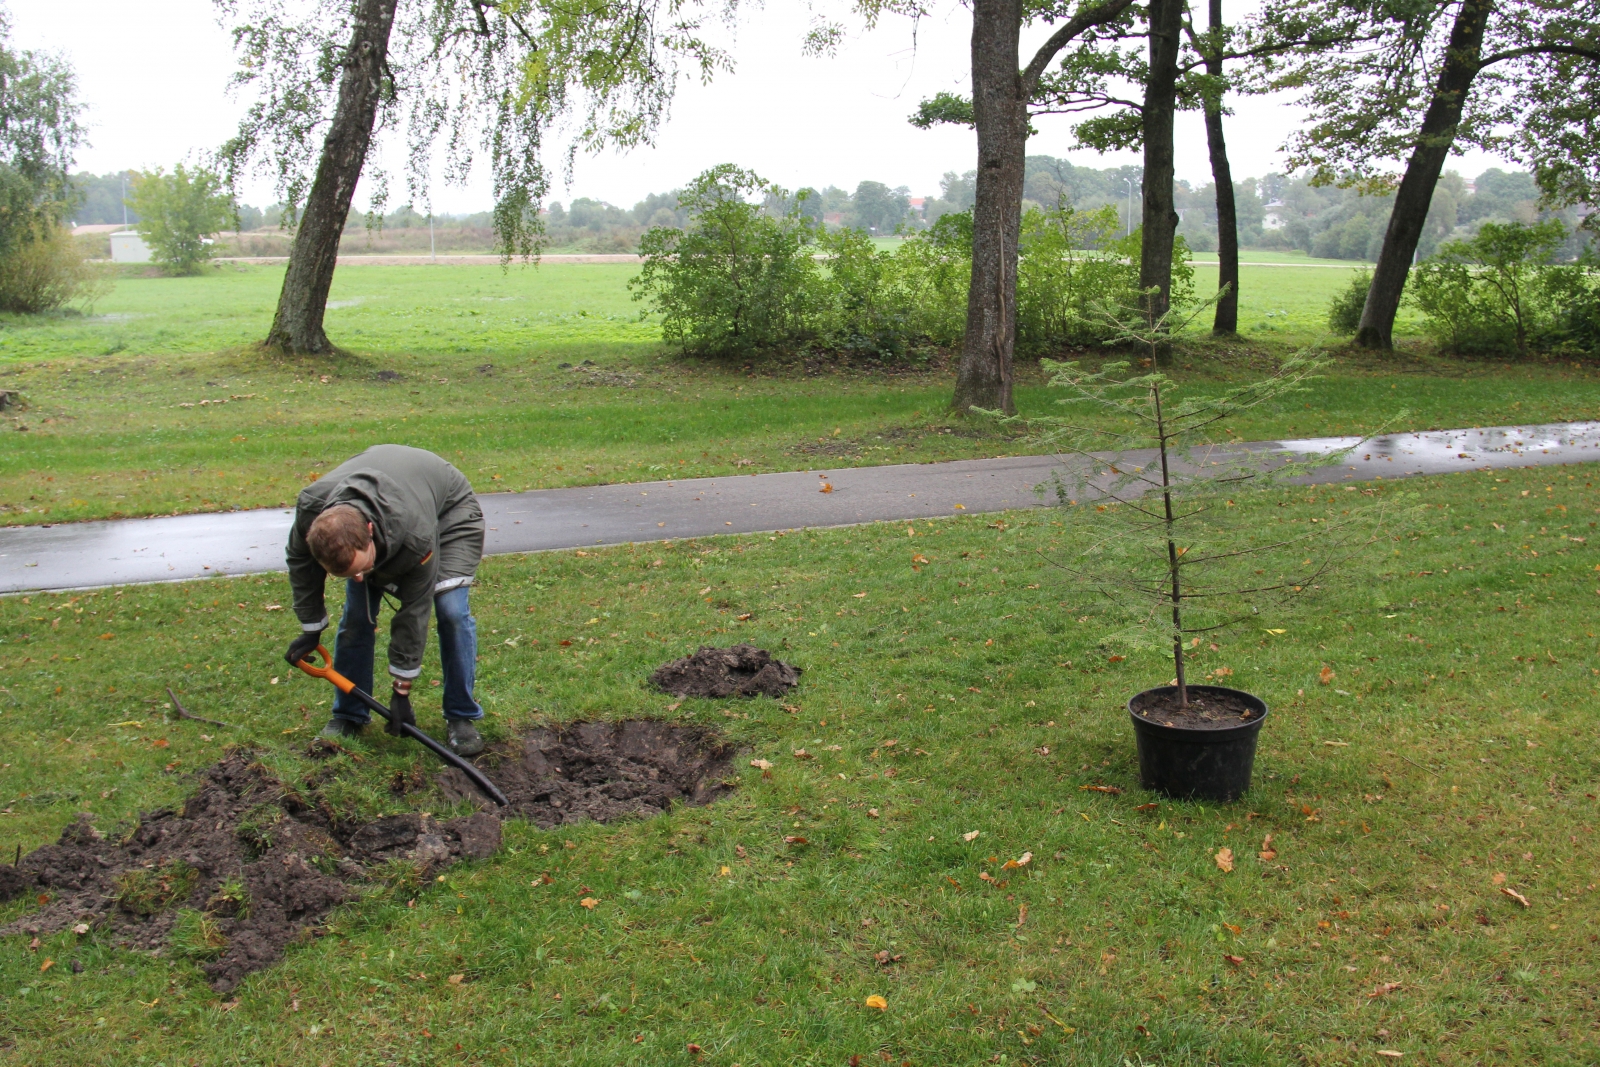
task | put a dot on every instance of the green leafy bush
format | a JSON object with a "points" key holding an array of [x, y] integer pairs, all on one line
{"points": [[177, 214], [1498, 293], [46, 271], [860, 307], [934, 269], [737, 280], [1073, 261], [1344, 310], [888, 305], [740, 280]]}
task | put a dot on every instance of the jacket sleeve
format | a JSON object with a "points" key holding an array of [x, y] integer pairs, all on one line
{"points": [[306, 580], [408, 631]]}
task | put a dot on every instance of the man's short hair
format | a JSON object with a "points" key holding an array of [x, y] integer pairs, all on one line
{"points": [[336, 536]]}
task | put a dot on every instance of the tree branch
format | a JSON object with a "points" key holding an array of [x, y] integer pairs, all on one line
{"points": [[1083, 20], [1542, 49]]}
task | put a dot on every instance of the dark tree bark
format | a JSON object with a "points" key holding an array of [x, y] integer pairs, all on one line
{"points": [[1000, 113], [297, 325], [1411, 201], [1160, 218], [1000, 96], [1227, 316]]}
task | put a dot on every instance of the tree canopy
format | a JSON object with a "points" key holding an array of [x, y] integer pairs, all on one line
{"points": [[474, 80], [39, 132], [1533, 91]]}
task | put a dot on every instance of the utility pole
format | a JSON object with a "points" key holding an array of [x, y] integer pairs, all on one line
{"points": [[124, 198], [1129, 183], [433, 253]]}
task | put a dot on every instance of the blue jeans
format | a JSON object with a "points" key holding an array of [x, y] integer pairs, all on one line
{"points": [[358, 635]]}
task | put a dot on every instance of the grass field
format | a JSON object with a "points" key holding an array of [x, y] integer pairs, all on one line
{"points": [[1292, 258], [1449, 754], [155, 404]]}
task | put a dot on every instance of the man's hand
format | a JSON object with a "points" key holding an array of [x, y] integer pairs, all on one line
{"points": [[400, 711], [302, 647]]}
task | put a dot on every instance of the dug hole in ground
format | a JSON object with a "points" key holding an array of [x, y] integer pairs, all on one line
{"points": [[252, 863]]}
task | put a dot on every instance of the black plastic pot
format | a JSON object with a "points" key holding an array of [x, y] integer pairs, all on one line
{"points": [[1189, 763]]}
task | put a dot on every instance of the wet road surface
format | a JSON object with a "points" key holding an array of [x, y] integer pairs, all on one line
{"points": [[181, 547]]}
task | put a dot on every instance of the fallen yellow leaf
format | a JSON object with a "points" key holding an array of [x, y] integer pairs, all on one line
{"points": [[973, 836], [588, 902], [878, 1002], [1224, 858]]}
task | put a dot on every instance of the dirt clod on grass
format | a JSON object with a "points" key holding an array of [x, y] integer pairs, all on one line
{"points": [[742, 670], [249, 861], [601, 771]]}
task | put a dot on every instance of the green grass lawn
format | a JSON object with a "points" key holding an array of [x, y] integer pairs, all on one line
{"points": [[156, 404], [1264, 255], [1453, 743]]}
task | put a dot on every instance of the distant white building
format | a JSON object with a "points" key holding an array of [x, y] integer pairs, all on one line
{"points": [[1275, 216], [128, 247]]}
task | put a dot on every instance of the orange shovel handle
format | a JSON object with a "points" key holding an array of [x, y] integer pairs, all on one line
{"points": [[326, 671]]}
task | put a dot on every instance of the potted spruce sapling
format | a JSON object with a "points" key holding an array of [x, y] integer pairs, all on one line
{"points": [[1168, 556]]}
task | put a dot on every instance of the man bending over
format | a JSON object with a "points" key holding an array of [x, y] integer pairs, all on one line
{"points": [[402, 521]]}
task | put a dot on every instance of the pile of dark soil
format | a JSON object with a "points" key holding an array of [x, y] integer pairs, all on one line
{"points": [[601, 771], [742, 670], [259, 861], [1209, 708]]}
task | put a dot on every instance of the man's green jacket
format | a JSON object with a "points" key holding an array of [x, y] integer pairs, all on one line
{"points": [[428, 529]]}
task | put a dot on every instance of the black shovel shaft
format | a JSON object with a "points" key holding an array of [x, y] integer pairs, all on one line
{"points": [[486, 787]]}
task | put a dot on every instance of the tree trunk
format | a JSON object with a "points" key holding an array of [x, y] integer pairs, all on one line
{"points": [[1000, 113], [1160, 219], [1226, 322], [297, 325], [1415, 194]]}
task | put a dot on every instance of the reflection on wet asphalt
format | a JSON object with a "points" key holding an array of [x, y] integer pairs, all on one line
{"points": [[173, 548]]}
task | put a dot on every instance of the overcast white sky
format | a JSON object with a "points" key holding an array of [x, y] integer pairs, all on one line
{"points": [[154, 76]]}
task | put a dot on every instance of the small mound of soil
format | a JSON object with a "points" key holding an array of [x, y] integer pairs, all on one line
{"points": [[742, 670], [601, 771], [260, 861], [1209, 708]]}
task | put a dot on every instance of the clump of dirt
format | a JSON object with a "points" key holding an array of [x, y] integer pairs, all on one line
{"points": [[742, 670], [259, 862], [601, 771]]}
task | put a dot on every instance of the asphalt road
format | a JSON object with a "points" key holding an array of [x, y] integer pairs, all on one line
{"points": [[178, 548]]}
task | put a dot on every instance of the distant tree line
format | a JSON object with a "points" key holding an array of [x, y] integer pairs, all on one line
{"points": [[1326, 222]]}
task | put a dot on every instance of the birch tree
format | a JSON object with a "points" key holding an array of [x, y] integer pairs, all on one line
{"points": [[504, 82]]}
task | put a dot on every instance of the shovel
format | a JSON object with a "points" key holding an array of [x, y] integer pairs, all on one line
{"points": [[345, 685]]}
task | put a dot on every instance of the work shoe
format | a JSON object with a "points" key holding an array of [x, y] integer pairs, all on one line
{"points": [[464, 737], [339, 728]]}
